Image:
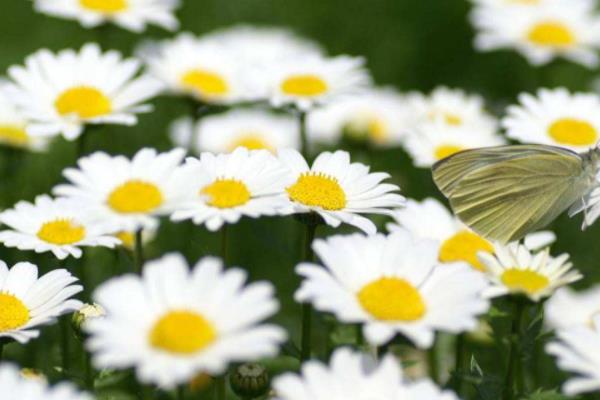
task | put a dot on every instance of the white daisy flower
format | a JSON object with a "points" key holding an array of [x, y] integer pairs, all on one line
{"points": [[28, 301], [182, 132], [578, 351], [127, 194], [429, 219], [515, 269], [263, 47], [452, 108], [252, 129], [132, 15], [13, 127], [530, 3], [568, 308], [431, 142], [203, 69], [338, 190], [61, 93], [311, 81], [379, 116], [555, 117], [402, 290], [352, 375], [556, 29], [14, 386], [61, 226], [222, 188], [172, 323]]}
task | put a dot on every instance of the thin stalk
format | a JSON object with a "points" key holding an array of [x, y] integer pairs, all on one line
{"points": [[224, 244], [221, 388], [360, 339], [433, 362], [303, 134], [514, 353], [307, 310], [1, 350], [138, 255], [88, 370], [459, 361], [65, 328], [180, 395]]}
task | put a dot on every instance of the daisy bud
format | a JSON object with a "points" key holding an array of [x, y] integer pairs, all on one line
{"points": [[250, 380]]}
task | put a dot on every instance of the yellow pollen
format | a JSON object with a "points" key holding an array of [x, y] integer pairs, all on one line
{"points": [[392, 299], [304, 85], [104, 6], [13, 135], [83, 101], [452, 119], [523, 280], [61, 231], [573, 132], [551, 34], [464, 246], [205, 83], [226, 193], [446, 150], [315, 189], [182, 332], [135, 196], [13, 313], [251, 141]]}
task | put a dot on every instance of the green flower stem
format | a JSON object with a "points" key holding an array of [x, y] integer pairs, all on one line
{"points": [[224, 244], [514, 352], [459, 361], [221, 389], [360, 339], [65, 343], [1, 350], [88, 370], [180, 393], [138, 255], [303, 134], [433, 362], [307, 310]]}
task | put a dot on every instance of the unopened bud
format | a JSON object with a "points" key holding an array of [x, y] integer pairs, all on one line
{"points": [[250, 380]]}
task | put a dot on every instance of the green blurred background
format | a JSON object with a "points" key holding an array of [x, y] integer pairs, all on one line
{"points": [[411, 45]]}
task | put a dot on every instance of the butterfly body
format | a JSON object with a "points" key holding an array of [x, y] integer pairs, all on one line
{"points": [[505, 192]]}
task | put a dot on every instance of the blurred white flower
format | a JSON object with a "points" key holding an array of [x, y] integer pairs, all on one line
{"points": [[567, 308], [568, 29], [15, 386], [309, 81], [378, 116], [352, 375], [133, 15]]}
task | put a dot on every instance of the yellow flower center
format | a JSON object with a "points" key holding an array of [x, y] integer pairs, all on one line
{"points": [[315, 189], [573, 132], [551, 34], [377, 130], [392, 299], [182, 332], [464, 246], [13, 313], [135, 196], [83, 101], [523, 280], [104, 6], [446, 150], [205, 83], [127, 239], [61, 231], [226, 193], [13, 135], [251, 141], [304, 85]]}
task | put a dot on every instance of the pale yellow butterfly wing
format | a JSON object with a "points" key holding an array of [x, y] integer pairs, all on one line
{"points": [[505, 192]]}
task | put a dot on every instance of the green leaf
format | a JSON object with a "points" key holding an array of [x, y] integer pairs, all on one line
{"points": [[114, 395]]}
